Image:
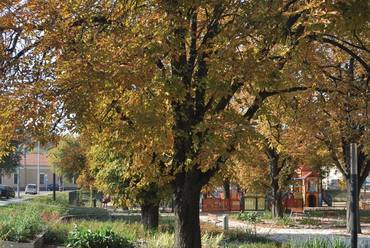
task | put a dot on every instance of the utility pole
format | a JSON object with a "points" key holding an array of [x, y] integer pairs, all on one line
{"points": [[54, 196], [354, 195]]}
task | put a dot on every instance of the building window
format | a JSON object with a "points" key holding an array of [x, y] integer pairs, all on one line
{"points": [[42, 178], [1, 179], [15, 178]]}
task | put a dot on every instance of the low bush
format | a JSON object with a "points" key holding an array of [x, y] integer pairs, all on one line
{"points": [[267, 215], [310, 222], [251, 217], [21, 226], [244, 236], [319, 243], [86, 238], [285, 221], [58, 233]]}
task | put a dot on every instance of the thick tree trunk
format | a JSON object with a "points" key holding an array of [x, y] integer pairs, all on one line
{"points": [[227, 189], [187, 234], [276, 204], [349, 216], [150, 216], [242, 205]]}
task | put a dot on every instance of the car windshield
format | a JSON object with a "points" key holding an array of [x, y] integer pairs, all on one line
{"points": [[31, 186]]}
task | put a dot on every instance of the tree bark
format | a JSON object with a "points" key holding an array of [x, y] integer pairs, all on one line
{"points": [[150, 216], [187, 231], [227, 189], [276, 204]]}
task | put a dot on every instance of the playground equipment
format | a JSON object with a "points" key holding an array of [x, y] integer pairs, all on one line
{"points": [[306, 191], [212, 204]]}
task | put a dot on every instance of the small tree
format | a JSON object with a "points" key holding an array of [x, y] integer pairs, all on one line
{"points": [[112, 175], [11, 160], [68, 157]]}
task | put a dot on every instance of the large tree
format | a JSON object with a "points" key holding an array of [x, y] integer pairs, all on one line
{"points": [[339, 118], [200, 70], [181, 64]]}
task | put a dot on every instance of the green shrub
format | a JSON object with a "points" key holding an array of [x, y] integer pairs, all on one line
{"points": [[21, 226], [338, 243], [85, 238], [160, 240], [310, 222], [285, 221], [267, 215], [58, 233], [251, 217], [243, 236], [316, 243], [319, 243]]}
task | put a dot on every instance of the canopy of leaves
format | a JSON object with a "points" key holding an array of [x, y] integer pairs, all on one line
{"points": [[68, 157], [12, 160]]}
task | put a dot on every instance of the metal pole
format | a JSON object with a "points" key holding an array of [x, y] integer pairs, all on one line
{"points": [[18, 178], [38, 166], [54, 196], [25, 166], [354, 195]]}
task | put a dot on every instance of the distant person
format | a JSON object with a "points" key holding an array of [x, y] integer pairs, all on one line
{"points": [[106, 200], [99, 197]]}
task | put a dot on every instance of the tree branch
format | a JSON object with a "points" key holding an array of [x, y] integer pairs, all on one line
{"points": [[342, 47]]}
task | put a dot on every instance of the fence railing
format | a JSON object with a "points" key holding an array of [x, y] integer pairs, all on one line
{"points": [[254, 203], [251, 203]]}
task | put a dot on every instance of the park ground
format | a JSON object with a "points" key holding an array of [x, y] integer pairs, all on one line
{"points": [[34, 215]]}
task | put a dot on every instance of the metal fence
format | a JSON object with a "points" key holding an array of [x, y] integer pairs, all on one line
{"points": [[254, 203]]}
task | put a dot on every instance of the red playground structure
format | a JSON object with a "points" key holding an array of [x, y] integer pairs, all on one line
{"points": [[220, 204], [305, 192]]}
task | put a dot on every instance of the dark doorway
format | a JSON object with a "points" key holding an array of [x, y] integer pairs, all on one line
{"points": [[311, 201]]}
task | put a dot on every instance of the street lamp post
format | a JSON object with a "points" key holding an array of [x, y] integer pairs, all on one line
{"points": [[354, 195], [54, 195]]}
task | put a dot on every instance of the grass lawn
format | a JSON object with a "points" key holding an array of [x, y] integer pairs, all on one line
{"points": [[364, 214], [132, 230], [22, 222]]}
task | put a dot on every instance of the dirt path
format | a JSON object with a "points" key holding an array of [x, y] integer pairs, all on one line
{"points": [[299, 234]]}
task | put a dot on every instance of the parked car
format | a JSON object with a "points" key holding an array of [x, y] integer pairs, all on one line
{"points": [[31, 189], [50, 187], [7, 191]]}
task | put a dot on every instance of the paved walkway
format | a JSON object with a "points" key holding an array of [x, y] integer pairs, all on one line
{"points": [[298, 234], [5, 202]]}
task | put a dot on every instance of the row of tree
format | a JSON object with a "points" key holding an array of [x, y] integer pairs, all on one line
{"points": [[171, 94]]}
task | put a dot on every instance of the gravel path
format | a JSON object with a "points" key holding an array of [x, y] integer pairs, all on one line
{"points": [[299, 234]]}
